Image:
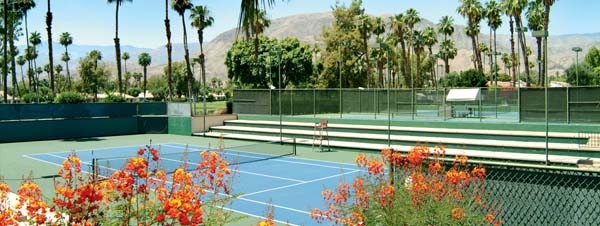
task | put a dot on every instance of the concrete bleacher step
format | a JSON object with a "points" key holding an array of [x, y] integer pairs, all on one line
{"points": [[309, 125], [415, 139], [573, 160]]}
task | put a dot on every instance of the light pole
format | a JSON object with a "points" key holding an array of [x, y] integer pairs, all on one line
{"points": [[279, 58], [544, 34], [577, 50], [385, 47]]}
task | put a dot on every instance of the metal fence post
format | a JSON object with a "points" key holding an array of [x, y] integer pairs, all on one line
{"points": [[568, 107], [315, 102]]}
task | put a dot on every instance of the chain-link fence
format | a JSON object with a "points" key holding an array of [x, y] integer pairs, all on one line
{"points": [[566, 105], [543, 196]]}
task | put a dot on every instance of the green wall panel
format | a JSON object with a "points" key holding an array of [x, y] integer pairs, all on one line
{"points": [[180, 125]]}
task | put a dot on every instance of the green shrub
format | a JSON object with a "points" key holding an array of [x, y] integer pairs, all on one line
{"points": [[69, 98], [160, 93], [210, 98], [229, 106], [134, 92], [179, 99], [114, 99]]}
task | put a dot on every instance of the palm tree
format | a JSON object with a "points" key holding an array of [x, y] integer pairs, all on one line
{"points": [[251, 12], [547, 5], [535, 22], [24, 6], [180, 6], [202, 19], [512, 9], [483, 49], [448, 51], [30, 55], [125, 57], [418, 43], [35, 39], [21, 61], [66, 40], [411, 19], [520, 5], [400, 29], [169, 49], [261, 22], [50, 53], [5, 58], [446, 27], [430, 39], [472, 10], [117, 42], [144, 60], [365, 28], [59, 78], [493, 15]]}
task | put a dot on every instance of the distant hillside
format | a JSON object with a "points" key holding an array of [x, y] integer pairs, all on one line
{"points": [[308, 28]]}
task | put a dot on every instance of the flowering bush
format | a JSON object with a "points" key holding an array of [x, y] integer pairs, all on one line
{"points": [[140, 193], [416, 189]]}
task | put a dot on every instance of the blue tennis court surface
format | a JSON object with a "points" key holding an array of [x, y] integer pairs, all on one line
{"points": [[292, 186]]}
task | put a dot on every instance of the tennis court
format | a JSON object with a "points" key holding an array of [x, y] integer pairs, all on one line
{"points": [[265, 174]]}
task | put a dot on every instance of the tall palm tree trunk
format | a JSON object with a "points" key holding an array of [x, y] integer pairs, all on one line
{"points": [[407, 77], [5, 55], [495, 60], [145, 80], [418, 69], [68, 72], [203, 69], [169, 49], [11, 41], [475, 54], [118, 47], [29, 76], [446, 59], [50, 54], [187, 57], [523, 41], [512, 49]]}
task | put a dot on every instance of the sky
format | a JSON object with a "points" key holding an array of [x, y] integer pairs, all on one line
{"points": [[141, 22]]}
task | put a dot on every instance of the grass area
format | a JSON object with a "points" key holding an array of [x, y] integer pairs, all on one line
{"points": [[211, 107]]}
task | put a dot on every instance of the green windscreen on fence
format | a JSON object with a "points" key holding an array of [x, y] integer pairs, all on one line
{"points": [[566, 105]]}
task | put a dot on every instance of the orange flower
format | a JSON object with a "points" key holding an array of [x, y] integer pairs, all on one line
{"points": [[361, 160], [489, 217], [458, 213]]}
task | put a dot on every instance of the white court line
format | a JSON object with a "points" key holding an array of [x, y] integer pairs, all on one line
{"points": [[276, 160], [259, 202], [306, 182], [229, 209], [98, 149], [241, 171]]}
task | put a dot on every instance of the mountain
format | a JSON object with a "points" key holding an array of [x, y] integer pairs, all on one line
{"points": [[308, 28]]}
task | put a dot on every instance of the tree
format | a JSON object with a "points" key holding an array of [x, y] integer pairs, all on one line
{"points": [[513, 9], [411, 19], [430, 39], [493, 14], [401, 33], [535, 22], [50, 53], [202, 19], [418, 43], [473, 11], [251, 14], [180, 77], [21, 61], [24, 6], [144, 60], [117, 41], [5, 57], [66, 40], [181, 6], [593, 57], [365, 27], [446, 27], [547, 5], [508, 63], [125, 58], [584, 72], [247, 71], [169, 49], [94, 76]]}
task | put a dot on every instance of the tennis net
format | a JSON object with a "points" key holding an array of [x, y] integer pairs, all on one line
{"points": [[177, 156]]}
